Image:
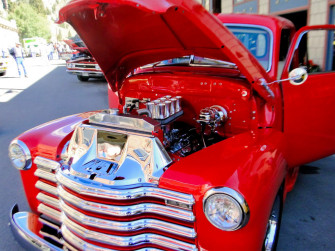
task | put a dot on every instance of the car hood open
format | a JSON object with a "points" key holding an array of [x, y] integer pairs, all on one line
{"points": [[77, 47], [125, 34]]}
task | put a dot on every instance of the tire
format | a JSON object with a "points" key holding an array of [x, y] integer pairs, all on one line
{"points": [[272, 231], [2, 74], [82, 78]]}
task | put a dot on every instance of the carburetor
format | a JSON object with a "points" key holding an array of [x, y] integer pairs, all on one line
{"points": [[164, 107]]}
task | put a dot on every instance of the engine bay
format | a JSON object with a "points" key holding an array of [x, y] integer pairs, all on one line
{"points": [[193, 111]]}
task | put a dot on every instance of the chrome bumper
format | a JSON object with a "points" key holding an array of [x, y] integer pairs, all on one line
{"points": [[19, 222]]}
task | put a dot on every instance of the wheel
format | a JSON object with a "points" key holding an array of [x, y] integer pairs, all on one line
{"points": [[272, 232], [2, 74], [82, 78]]}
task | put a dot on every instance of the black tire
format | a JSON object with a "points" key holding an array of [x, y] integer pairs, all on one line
{"points": [[2, 74], [272, 231], [82, 78]]}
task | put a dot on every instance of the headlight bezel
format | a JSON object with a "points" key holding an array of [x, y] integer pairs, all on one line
{"points": [[24, 150], [235, 197]]}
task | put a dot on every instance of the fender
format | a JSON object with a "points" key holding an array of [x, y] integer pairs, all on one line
{"points": [[253, 164], [47, 140]]}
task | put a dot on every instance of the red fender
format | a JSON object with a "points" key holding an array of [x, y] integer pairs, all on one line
{"points": [[252, 164], [47, 141]]}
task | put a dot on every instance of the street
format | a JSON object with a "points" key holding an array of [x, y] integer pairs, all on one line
{"points": [[49, 93]]}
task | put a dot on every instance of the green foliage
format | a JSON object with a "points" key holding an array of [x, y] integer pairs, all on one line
{"points": [[38, 6], [29, 22]]}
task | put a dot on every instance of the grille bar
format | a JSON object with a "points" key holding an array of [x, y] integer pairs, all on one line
{"points": [[45, 175], [127, 226], [125, 210], [124, 194], [125, 241], [50, 212], [83, 245], [48, 200], [46, 187]]}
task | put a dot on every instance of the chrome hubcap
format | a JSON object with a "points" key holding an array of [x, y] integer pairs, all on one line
{"points": [[273, 223]]}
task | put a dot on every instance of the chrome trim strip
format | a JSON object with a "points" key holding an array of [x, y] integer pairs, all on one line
{"points": [[19, 222], [48, 200], [106, 192], [45, 175], [49, 223], [46, 163], [76, 242], [46, 187], [125, 241], [125, 210], [129, 225], [50, 212]]}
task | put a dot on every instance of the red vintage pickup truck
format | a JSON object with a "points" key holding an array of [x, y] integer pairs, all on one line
{"points": [[204, 143]]}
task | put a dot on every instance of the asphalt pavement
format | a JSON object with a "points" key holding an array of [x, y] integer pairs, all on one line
{"points": [[49, 93]]}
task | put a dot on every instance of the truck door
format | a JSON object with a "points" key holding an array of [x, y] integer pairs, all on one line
{"points": [[309, 108]]}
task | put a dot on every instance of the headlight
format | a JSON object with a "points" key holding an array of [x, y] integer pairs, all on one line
{"points": [[19, 154], [226, 209]]}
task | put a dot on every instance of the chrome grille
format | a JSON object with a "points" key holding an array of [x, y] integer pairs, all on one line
{"points": [[100, 218], [85, 66]]}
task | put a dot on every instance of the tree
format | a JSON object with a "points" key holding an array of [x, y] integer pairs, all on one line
{"points": [[38, 6], [30, 23]]}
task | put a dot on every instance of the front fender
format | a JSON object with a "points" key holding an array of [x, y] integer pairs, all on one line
{"points": [[47, 140], [252, 164]]}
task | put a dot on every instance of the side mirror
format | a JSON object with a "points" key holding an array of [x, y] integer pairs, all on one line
{"points": [[298, 76]]}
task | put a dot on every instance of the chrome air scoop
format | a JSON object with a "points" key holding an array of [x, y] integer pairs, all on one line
{"points": [[116, 150]]}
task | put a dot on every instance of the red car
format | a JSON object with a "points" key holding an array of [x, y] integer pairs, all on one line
{"points": [[82, 63], [203, 145]]}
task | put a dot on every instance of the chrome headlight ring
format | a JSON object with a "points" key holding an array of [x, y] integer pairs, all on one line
{"points": [[19, 155], [226, 209]]}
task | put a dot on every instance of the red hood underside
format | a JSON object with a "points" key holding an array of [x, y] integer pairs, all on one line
{"points": [[125, 34]]}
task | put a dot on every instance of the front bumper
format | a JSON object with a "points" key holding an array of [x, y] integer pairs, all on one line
{"points": [[92, 74], [21, 224]]}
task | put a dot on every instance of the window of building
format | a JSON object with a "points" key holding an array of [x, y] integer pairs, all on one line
{"points": [[217, 6]]}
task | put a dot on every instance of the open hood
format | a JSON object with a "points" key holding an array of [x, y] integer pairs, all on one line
{"points": [[77, 46], [125, 34]]}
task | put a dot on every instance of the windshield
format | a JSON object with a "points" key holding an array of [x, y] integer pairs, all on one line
{"points": [[258, 40]]}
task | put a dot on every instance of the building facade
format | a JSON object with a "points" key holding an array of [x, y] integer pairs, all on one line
{"points": [[300, 12]]}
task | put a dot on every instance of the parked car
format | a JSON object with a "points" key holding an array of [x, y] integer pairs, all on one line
{"points": [[203, 145], [3, 66], [82, 64]]}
